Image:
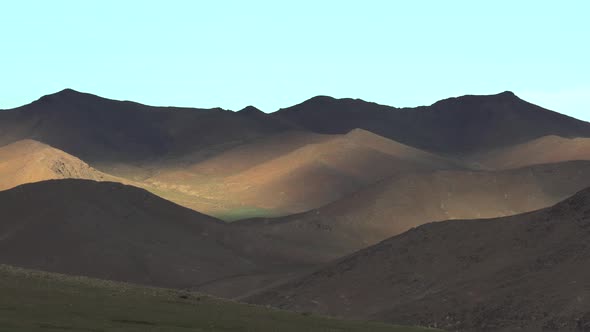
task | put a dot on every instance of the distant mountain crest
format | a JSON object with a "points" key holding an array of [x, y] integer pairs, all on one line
{"points": [[503, 97], [251, 110], [456, 125]]}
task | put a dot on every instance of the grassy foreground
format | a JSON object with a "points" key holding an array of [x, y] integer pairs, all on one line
{"points": [[39, 301]]}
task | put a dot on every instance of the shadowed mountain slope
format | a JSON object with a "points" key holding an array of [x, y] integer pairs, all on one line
{"points": [[112, 231], [455, 125], [529, 272], [101, 130], [397, 204]]}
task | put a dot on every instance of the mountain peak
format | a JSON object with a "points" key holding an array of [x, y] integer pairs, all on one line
{"points": [[320, 99], [506, 96], [507, 93], [67, 91], [66, 94], [250, 110]]}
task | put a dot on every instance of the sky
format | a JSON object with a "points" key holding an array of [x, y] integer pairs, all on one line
{"points": [[273, 54]]}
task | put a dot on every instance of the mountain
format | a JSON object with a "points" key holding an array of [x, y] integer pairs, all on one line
{"points": [[237, 165], [528, 272], [456, 125], [316, 174], [98, 130], [102, 131], [112, 231], [202, 185], [547, 149], [29, 161], [399, 203], [294, 171]]}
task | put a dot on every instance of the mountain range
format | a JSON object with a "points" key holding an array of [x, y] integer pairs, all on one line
{"points": [[469, 214]]}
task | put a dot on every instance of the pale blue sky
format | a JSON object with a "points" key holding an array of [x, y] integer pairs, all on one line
{"points": [[273, 54]]}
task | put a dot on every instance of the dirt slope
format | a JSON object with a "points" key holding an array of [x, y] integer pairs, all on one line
{"points": [[113, 231], [296, 171], [544, 150], [527, 272], [316, 174], [29, 161], [397, 204]]}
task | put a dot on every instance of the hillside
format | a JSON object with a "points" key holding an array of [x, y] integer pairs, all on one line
{"points": [[294, 171], [201, 185], [544, 150], [243, 181], [38, 301], [317, 174], [527, 272], [113, 231], [456, 125], [29, 161], [400, 203]]}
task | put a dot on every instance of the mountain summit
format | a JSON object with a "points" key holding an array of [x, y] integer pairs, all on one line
{"points": [[250, 110]]}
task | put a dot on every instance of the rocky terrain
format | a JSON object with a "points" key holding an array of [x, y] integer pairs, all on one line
{"points": [[527, 272]]}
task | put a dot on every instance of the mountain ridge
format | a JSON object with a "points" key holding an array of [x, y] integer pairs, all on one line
{"points": [[527, 272], [456, 126]]}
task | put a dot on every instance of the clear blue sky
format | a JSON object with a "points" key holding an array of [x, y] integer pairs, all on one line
{"points": [[273, 54]]}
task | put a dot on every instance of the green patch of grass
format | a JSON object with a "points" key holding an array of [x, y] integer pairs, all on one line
{"points": [[223, 210], [245, 212], [38, 301]]}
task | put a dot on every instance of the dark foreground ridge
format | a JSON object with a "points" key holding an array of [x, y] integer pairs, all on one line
{"points": [[112, 231], [529, 272]]}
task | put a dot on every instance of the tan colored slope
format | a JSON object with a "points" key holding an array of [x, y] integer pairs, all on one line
{"points": [[257, 152], [30, 161], [200, 185], [544, 150], [397, 204], [529, 272], [319, 173], [296, 171]]}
